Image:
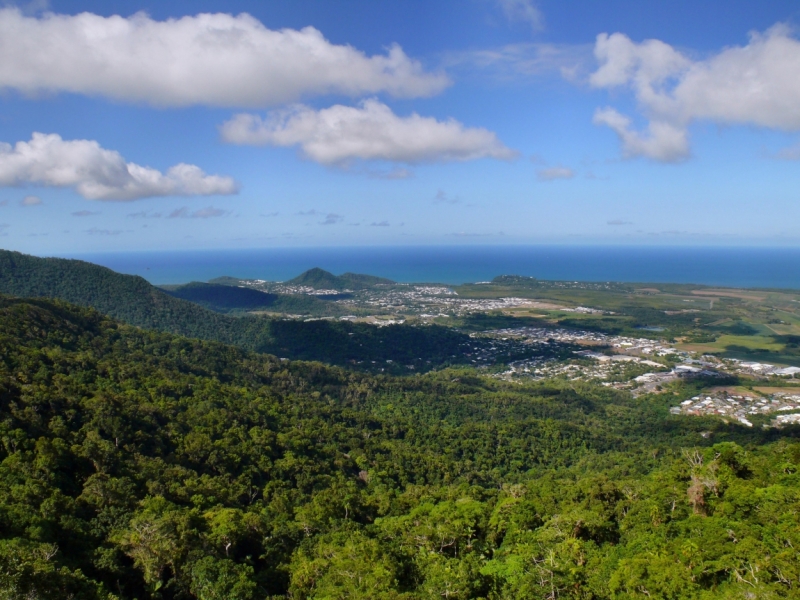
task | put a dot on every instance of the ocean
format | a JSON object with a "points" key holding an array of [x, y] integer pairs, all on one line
{"points": [[728, 266]]}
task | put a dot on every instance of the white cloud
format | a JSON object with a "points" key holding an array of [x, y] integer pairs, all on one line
{"points": [[644, 65], [371, 131], [100, 174], [756, 84], [85, 213], [208, 59], [553, 173], [525, 11], [663, 141], [31, 201]]}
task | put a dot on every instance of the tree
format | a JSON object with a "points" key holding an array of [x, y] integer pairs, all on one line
{"points": [[222, 579], [343, 565]]}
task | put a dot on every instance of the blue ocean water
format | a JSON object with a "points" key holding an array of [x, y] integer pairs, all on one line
{"points": [[729, 266]]}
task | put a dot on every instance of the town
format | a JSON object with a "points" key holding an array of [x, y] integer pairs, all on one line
{"points": [[639, 365], [741, 406], [644, 366]]}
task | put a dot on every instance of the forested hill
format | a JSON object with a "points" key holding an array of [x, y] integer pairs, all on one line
{"points": [[226, 298], [323, 280], [136, 464], [223, 297], [128, 298], [133, 300]]}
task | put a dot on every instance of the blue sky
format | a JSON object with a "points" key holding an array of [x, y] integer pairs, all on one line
{"points": [[180, 125]]}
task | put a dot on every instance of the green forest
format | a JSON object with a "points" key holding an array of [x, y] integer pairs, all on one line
{"points": [[133, 300], [142, 464]]}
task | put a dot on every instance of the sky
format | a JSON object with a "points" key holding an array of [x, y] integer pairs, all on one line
{"points": [[251, 124]]}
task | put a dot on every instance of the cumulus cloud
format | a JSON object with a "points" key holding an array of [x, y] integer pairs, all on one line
{"points": [[201, 213], [100, 174], [371, 131], [663, 141], [524, 11], [755, 84], [31, 201], [553, 173], [207, 59]]}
